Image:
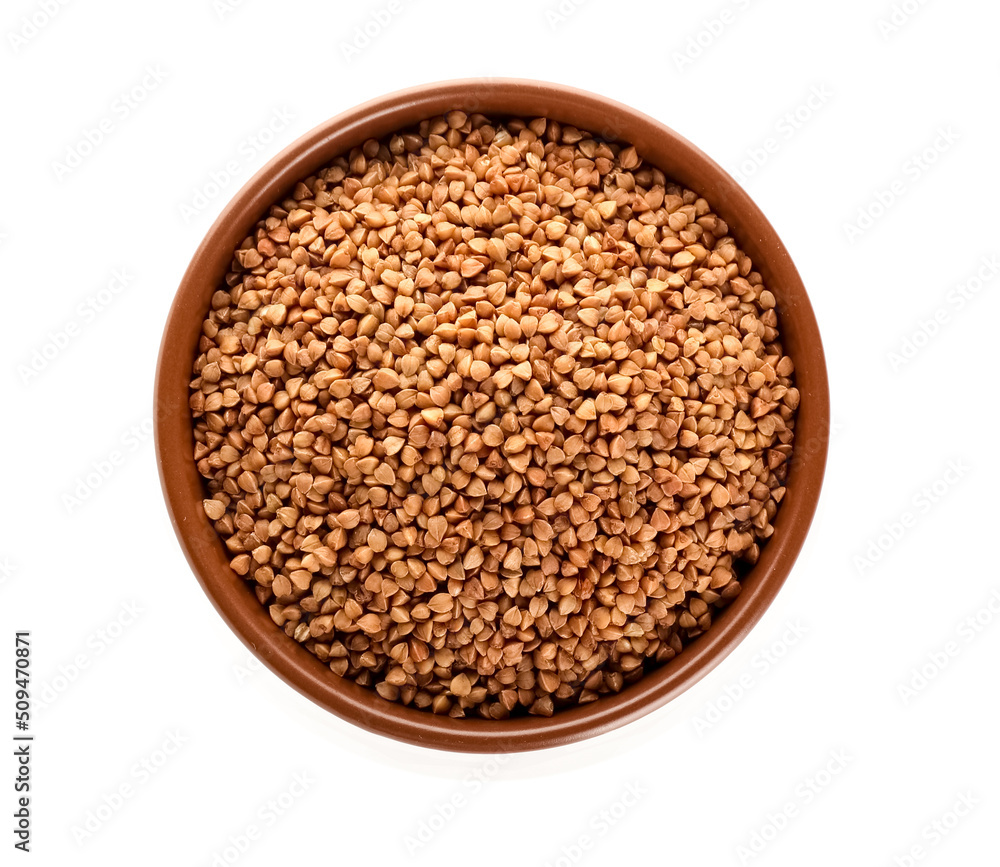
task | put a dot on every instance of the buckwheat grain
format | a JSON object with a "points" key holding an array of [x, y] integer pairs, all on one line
{"points": [[493, 415]]}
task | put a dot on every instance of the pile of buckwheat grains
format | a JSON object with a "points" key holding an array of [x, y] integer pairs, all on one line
{"points": [[493, 415]]}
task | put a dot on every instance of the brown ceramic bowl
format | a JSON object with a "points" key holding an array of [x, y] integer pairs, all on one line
{"points": [[233, 596]]}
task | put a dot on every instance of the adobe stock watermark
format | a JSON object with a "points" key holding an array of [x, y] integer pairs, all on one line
{"points": [[938, 660], [93, 136], [57, 340], [712, 29], [444, 812], [31, 25], [377, 22], [559, 13], [243, 671], [7, 569], [785, 128], [898, 17], [89, 482], [224, 8], [760, 665], [245, 153], [266, 816], [99, 642], [139, 775], [803, 794], [939, 829], [599, 826], [816, 445], [955, 301], [922, 502], [914, 167]]}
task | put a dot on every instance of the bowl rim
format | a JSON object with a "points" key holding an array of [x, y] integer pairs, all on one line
{"points": [[233, 597]]}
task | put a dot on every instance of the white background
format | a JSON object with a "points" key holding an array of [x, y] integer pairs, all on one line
{"points": [[910, 104]]}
